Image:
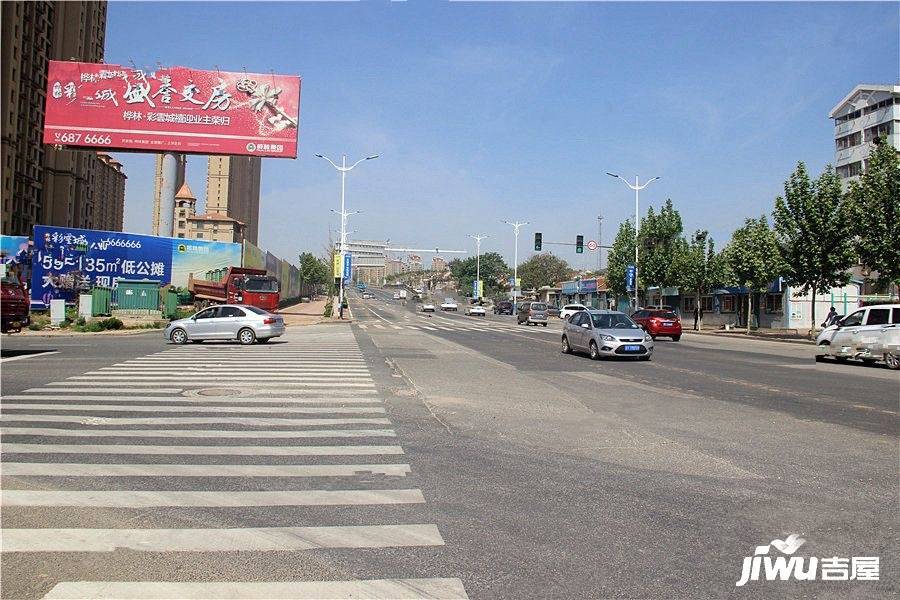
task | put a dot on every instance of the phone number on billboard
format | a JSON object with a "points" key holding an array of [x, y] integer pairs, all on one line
{"points": [[74, 138]]}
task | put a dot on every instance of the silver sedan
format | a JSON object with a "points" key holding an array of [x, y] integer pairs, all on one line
{"points": [[246, 324], [605, 333]]}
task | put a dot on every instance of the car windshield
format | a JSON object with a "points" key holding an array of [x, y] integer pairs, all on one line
{"points": [[261, 284], [612, 321], [256, 310], [538, 306], [448, 300]]}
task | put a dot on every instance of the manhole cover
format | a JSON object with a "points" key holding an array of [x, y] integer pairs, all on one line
{"points": [[212, 392]]}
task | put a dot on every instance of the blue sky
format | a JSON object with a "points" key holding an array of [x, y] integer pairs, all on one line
{"points": [[490, 111]]}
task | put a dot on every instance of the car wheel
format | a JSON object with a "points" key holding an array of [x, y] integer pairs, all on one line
{"points": [[566, 349], [246, 336], [675, 338], [179, 336], [820, 358], [595, 353], [892, 360]]}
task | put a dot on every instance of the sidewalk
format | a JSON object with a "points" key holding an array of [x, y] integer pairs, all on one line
{"points": [[771, 335], [305, 313]]}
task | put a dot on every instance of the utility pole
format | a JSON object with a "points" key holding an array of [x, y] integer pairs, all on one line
{"points": [[478, 239], [516, 227], [599, 243]]}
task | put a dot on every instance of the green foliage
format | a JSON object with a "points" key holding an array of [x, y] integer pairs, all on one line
{"points": [[184, 295], [313, 270], [494, 273], [752, 258], [812, 225], [660, 240], [697, 267], [621, 254], [543, 269], [874, 207], [329, 308]]}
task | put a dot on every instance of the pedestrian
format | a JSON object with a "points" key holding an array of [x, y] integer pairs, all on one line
{"points": [[830, 318], [341, 310], [696, 317]]}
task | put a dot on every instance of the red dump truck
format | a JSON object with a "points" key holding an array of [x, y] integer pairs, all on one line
{"points": [[240, 285], [13, 303]]}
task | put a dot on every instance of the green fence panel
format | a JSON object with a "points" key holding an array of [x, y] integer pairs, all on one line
{"points": [[138, 294]]}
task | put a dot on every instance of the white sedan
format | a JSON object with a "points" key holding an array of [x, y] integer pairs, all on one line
{"points": [[428, 307], [475, 311], [570, 309], [449, 304]]}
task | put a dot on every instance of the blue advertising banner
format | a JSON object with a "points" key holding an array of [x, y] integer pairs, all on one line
{"points": [[67, 261], [348, 270], [629, 278]]}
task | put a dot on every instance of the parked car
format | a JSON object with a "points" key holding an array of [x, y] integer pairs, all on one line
{"points": [[658, 321], [473, 310], [449, 304], [570, 309], [532, 313], [552, 310], [504, 307], [246, 324], [428, 307], [869, 334], [605, 333]]}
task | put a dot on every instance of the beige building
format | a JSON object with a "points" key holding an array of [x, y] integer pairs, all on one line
{"points": [[185, 208], [109, 184], [44, 184], [232, 189], [215, 228], [181, 166], [438, 264]]}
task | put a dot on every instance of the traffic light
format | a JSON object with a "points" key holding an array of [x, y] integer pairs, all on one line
{"points": [[579, 244], [538, 241]]}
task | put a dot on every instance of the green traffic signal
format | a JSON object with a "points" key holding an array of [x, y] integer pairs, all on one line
{"points": [[579, 244], [538, 242]]}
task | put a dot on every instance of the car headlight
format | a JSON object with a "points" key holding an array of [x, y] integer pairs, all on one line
{"points": [[647, 338], [607, 338]]}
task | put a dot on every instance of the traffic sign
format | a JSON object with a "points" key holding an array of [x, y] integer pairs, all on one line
{"points": [[592, 245]]}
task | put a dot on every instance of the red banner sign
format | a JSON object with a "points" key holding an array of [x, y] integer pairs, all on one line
{"points": [[172, 110]]}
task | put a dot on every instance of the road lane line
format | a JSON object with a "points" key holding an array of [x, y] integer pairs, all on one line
{"points": [[309, 410], [198, 433], [249, 421], [395, 589], [65, 402], [200, 450], [258, 539], [112, 390], [145, 499], [177, 470]]}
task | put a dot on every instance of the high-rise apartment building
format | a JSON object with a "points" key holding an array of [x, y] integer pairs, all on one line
{"points": [[438, 264], [43, 184], [109, 183], [232, 189], [864, 115], [181, 167]]}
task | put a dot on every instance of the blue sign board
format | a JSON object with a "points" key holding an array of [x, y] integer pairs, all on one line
{"points": [[348, 271], [629, 278], [475, 289], [68, 261]]}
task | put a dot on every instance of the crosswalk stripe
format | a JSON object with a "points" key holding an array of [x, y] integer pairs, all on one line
{"points": [[242, 382], [251, 421], [200, 450], [65, 402], [144, 499], [429, 328], [198, 433], [395, 589], [259, 388], [178, 470], [259, 539], [307, 410], [115, 390], [223, 377]]}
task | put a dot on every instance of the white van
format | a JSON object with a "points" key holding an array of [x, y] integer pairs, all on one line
{"points": [[869, 334]]}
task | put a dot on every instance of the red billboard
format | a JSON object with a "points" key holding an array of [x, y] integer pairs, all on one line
{"points": [[175, 109]]}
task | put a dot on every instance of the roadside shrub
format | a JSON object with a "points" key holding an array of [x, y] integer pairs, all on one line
{"points": [[111, 323], [80, 321], [35, 327], [329, 308]]}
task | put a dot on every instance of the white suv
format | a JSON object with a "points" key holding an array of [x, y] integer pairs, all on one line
{"points": [[570, 309], [870, 333]]}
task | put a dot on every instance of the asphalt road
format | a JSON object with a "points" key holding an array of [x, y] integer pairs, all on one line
{"points": [[524, 473]]}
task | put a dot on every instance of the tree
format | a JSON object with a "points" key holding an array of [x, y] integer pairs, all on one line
{"points": [[494, 273], [313, 271], [874, 203], [621, 254], [660, 240], [812, 228], [752, 259], [543, 269], [698, 267]]}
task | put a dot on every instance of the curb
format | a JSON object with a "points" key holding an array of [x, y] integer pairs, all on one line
{"points": [[752, 336]]}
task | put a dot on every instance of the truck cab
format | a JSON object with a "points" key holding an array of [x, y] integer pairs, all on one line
{"points": [[256, 290], [14, 303]]}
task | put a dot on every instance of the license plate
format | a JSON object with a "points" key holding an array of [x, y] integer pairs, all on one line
{"points": [[667, 323], [632, 348]]}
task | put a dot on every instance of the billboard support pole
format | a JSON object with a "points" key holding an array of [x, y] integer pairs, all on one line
{"points": [[167, 193]]}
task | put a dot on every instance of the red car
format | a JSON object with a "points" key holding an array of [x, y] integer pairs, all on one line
{"points": [[657, 322]]}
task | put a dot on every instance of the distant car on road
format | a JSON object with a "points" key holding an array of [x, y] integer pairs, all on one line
{"points": [[367, 296], [532, 313], [658, 321], [396, 295], [504, 307], [552, 310], [605, 333], [570, 309], [475, 311], [449, 304], [246, 324], [428, 307], [869, 334]]}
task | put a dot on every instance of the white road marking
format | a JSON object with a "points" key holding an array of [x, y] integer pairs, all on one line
{"points": [[261, 389], [24, 356], [251, 421], [207, 375], [112, 390], [395, 589], [259, 539], [198, 433], [142, 499], [175, 470], [169, 401], [242, 382], [308, 410], [200, 450]]}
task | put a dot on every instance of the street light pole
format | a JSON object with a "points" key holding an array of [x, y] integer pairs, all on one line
{"points": [[344, 214], [478, 239], [515, 227], [637, 187]]}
